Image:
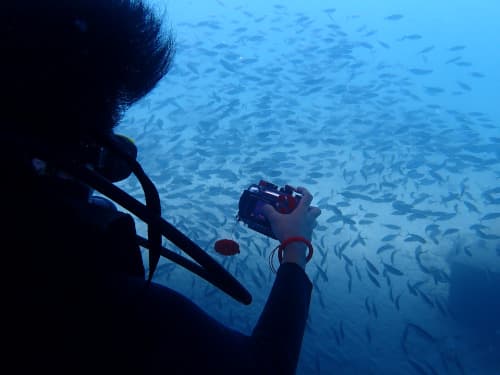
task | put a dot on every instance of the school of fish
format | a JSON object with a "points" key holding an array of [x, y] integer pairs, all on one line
{"points": [[405, 183]]}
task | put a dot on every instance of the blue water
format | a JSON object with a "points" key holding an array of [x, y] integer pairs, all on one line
{"points": [[387, 112]]}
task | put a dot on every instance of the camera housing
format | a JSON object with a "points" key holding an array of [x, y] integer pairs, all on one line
{"points": [[256, 196]]}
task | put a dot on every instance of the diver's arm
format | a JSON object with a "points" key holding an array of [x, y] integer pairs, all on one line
{"points": [[280, 329], [182, 338]]}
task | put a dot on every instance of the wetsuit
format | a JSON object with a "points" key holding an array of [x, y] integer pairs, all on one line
{"points": [[75, 299]]}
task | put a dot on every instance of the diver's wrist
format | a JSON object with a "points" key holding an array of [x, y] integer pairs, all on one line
{"points": [[295, 252]]}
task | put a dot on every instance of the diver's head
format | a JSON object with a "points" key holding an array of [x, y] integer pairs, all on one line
{"points": [[70, 69]]}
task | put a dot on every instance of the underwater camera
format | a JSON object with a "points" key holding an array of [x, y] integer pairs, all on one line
{"points": [[256, 196]]}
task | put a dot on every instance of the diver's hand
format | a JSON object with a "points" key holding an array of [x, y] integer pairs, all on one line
{"points": [[300, 222]]}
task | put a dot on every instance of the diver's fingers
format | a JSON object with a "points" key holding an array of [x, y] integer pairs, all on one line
{"points": [[313, 212], [305, 201], [314, 225]]}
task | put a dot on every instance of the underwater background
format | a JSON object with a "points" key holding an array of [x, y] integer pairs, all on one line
{"points": [[389, 113]]}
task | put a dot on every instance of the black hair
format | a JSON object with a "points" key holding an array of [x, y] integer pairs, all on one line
{"points": [[71, 68]]}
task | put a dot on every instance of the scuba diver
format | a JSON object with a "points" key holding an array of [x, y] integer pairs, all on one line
{"points": [[75, 294]]}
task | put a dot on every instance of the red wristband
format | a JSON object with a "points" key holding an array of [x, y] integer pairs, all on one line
{"points": [[289, 240]]}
